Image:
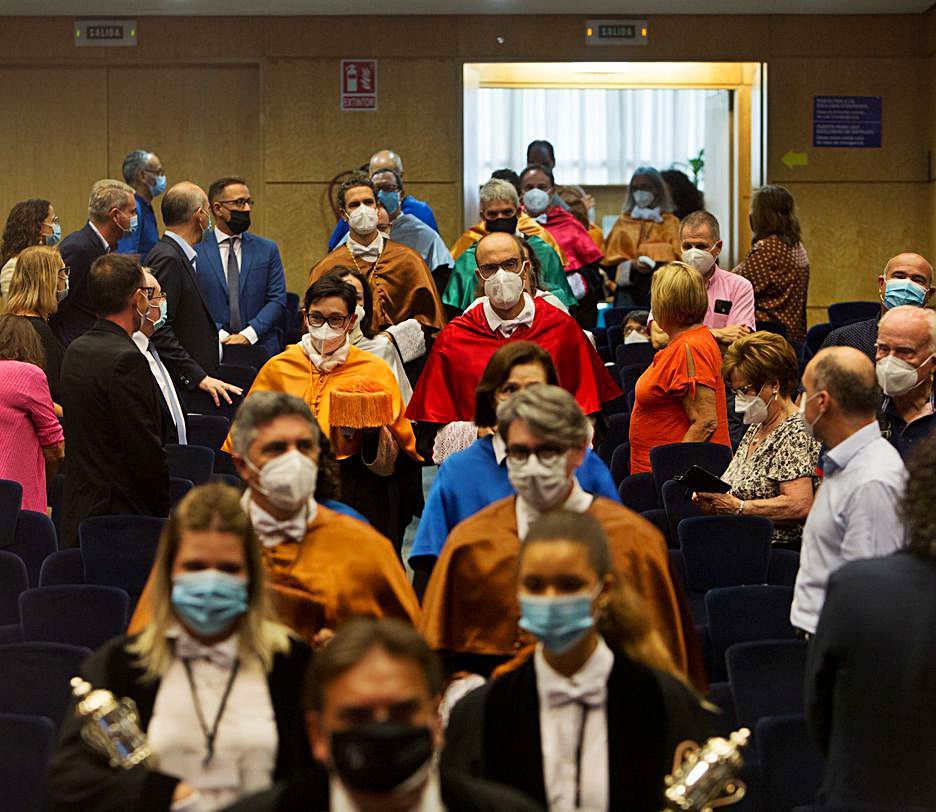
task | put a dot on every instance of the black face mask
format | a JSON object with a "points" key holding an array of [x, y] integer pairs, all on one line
{"points": [[379, 756], [239, 222], [507, 225]]}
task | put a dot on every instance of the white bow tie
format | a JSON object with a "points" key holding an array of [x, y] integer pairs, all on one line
{"points": [[646, 214], [542, 219], [592, 696], [272, 532], [223, 656]]}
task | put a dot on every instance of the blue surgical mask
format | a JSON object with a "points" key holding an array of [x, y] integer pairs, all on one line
{"points": [[903, 292], [55, 237], [209, 601], [390, 201], [163, 311], [558, 622], [158, 186]]}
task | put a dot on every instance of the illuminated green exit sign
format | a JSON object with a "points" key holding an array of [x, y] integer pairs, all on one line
{"points": [[616, 32]]}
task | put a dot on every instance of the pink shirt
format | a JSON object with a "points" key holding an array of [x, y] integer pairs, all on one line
{"points": [[27, 424], [730, 300]]}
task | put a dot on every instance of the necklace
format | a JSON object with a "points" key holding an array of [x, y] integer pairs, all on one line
{"points": [[373, 268]]}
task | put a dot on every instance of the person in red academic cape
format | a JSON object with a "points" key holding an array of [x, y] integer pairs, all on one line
{"points": [[445, 391]]}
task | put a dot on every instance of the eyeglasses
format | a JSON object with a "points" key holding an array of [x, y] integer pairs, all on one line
{"points": [[335, 322], [748, 389], [239, 203], [511, 265], [545, 453], [54, 221], [157, 299], [149, 291], [64, 271]]}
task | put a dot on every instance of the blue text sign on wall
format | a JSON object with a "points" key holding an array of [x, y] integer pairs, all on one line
{"points": [[847, 121]]}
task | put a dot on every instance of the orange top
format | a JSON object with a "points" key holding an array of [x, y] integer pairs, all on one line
{"points": [[630, 238], [658, 417]]}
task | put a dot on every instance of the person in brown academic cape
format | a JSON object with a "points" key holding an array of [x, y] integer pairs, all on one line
{"points": [[648, 229], [470, 609], [323, 567], [401, 283], [378, 458]]}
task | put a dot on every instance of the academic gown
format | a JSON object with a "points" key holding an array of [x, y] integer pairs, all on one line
{"points": [[470, 480], [494, 733], [342, 568], [460, 291], [402, 286], [445, 391], [525, 224], [471, 603], [573, 238]]}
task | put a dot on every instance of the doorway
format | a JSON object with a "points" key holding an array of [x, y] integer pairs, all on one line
{"points": [[607, 118]]}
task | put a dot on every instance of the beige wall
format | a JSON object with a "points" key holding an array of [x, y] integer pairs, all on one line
{"points": [[259, 96]]}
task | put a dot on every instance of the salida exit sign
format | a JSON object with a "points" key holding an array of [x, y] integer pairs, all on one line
{"points": [[616, 32]]}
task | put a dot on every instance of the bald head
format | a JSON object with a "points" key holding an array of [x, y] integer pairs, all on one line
{"points": [[911, 267], [847, 376], [181, 202], [907, 331], [385, 159], [497, 247]]}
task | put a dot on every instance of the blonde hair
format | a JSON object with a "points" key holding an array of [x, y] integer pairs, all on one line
{"points": [[678, 295], [215, 506], [34, 282]]}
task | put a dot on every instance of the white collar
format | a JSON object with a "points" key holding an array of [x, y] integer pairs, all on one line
{"points": [[592, 676], [325, 363], [105, 242], [272, 531], [653, 214], [500, 447], [140, 339], [220, 236], [429, 801], [183, 244], [507, 326], [366, 252], [578, 501], [224, 653]]}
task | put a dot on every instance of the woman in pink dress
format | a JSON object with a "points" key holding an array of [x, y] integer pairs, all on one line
{"points": [[31, 438]]}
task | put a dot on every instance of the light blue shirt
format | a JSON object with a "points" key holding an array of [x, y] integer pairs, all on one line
{"points": [[189, 251], [854, 515]]}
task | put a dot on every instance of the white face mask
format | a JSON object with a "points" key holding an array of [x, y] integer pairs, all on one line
{"points": [[809, 428], [897, 377], [288, 480], [643, 198], [752, 407], [356, 332], [701, 260], [504, 289], [636, 337], [535, 201], [363, 220], [324, 338], [544, 485]]}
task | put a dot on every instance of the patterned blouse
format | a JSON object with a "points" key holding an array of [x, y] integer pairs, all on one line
{"points": [[780, 275], [786, 454]]}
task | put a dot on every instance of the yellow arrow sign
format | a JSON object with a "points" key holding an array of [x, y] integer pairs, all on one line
{"points": [[793, 159]]}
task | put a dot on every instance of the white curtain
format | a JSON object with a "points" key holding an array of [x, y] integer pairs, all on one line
{"points": [[600, 136]]}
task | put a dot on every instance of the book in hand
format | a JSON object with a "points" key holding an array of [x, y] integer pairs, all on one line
{"points": [[698, 480]]}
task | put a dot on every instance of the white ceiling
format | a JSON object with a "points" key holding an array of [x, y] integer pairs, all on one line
{"points": [[594, 8]]}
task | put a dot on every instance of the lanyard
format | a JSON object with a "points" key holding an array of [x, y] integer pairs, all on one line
{"points": [[210, 734]]}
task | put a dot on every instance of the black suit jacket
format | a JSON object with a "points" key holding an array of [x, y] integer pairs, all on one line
{"points": [[75, 314], [494, 732], [310, 792], [871, 683], [188, 342], [116, 461], [80, 779]]}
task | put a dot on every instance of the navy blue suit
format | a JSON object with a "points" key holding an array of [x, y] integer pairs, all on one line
{"points": [[262, 287]]}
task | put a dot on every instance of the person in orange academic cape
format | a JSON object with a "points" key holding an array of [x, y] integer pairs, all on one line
{"points": [[470, 608], [401, 282], [323, 567], [445, 390], [376, 479]]}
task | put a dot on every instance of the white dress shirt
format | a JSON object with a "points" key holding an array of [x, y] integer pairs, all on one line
{"points": [[578, 502], [571, 708], [246, 742], [165, 385], [104, 242], [224, 247], [854, 515], [429, 801], [506, 327]]}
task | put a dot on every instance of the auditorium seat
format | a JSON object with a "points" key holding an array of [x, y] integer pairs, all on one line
{"points": [[638, 493], [62, 567], [657, 517], [678, 507], [34, 541], [56, 492], [208, 430], [815, 335], [725, 550], [34, 678], [11, 500], [26, 744], [192, 462], [14, 580], [82, 615], [842, 313], [227, 479], [614, 316], [245, 355], [633, 354], [674, 459], [766, 678], [782, 567], [618, 428], [178, 487], [620, 464], [790, 763]]}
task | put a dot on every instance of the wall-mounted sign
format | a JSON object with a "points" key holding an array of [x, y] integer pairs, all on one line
{"points": [[847, 121], [616, 32], [358, 84], [119, 33]]}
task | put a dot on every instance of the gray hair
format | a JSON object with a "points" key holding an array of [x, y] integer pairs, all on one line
{"points": [[134, 162], [107, 194], [262, 408], [703, 219], [910, 310], [663, 197], [551, 413], [496, 189]]}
